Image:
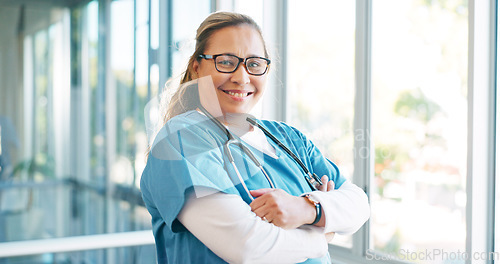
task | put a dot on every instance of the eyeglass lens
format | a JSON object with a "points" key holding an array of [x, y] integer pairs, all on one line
{"points": [[229, 63]]}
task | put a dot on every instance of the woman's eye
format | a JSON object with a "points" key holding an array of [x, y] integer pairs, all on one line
{"points": [[253, 64], [226, 63]]}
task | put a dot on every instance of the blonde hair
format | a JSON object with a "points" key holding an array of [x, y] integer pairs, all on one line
{"points": [[186, 97]]}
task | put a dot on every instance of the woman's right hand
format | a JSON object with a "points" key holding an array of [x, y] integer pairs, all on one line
{"points": [[327, 185]]}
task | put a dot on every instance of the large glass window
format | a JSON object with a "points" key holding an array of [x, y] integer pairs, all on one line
{"points": [[73, 142], [419, 80], [320, 78], [184, 31], [30, 152]]}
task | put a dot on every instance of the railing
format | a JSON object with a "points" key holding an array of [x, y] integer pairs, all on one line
{"points": [[76, 243]]}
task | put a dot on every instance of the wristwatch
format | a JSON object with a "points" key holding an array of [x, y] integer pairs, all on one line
{"points": [[317, 205]]}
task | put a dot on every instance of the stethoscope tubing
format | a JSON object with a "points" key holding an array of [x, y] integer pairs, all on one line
{"points": [[311, 178]]}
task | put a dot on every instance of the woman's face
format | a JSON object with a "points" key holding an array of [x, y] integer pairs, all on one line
{"points": [[237, 92]]}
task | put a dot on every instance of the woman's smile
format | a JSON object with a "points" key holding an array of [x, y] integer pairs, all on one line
{"points": [[237, 95]]}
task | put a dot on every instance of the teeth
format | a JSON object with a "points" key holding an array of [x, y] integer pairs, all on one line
{"points": [[237, 94]]}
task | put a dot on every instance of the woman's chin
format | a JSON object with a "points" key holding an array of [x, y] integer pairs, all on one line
{"points": [[236, 111]]}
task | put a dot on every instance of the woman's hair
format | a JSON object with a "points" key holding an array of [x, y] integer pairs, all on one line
{"points": [[186, 97]]}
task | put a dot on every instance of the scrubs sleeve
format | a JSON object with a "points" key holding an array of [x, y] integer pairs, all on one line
{"points": [[184, 157]]}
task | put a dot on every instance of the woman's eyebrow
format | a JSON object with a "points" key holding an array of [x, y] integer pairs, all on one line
{"points": [[234, 54], [255, 55]]}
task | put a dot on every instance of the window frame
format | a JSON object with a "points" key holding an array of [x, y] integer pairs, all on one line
{"points": [[481, 128], [482, 46]]}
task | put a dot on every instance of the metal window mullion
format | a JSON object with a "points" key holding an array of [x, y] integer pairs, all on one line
{"points": [[363, 160], [105, 101], [165, 40], [283, 53], [481, 129], [150, 50], [108, 92], [28, 97], [81, 122], [49, 93], [62, 123], [213, 6], [34, 136], [225, 5], [493, 100], [275, 31]]}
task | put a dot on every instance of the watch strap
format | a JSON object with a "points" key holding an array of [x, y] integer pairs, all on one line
{"points": [[317, 206]]}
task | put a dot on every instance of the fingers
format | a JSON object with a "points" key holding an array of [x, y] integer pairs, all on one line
{"points": [[330, 186], [264, 213], [257, 203], [260, 209], [324, 180], [260, 192], [261, 212]]}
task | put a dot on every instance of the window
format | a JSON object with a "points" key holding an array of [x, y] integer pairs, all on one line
{"points": [[320, 83], [419, 82], [184, 31], [411, 78], [74, 135]]}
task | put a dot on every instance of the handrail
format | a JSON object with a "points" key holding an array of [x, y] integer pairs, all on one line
{"points": [[76, 243]]}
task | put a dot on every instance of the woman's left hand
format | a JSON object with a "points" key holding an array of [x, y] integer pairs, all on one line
{"points": [[282, 209], [285, 210]]}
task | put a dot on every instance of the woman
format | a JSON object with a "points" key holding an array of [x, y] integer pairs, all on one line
{"points": [[201, 212]]}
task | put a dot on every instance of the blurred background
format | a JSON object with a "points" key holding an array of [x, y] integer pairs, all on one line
{"points": [[382, 87]]}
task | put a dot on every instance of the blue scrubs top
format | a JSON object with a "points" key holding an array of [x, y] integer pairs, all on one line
{"points": [[188, 153]]}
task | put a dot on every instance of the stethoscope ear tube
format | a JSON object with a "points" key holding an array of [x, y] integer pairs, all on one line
{"points": [[246, 150], [228, 152], [250, 155], [313, 179]]}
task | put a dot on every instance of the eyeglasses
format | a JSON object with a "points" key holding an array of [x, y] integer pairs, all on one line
{"points": [[227, 63]]}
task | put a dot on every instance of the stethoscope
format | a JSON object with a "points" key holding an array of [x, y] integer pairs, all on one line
{"points": [[312, 179]]}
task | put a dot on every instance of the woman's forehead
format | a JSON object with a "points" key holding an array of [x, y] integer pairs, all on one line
{"points": [[243, 41]]}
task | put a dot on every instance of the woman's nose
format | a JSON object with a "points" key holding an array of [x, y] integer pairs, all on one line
{"points": [[241, 75]]}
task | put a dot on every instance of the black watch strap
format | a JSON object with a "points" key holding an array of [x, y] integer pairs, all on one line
{"points": [[317, 205]]}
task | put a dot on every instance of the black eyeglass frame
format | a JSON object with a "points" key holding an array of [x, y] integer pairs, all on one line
{"points": [[240, 60]]}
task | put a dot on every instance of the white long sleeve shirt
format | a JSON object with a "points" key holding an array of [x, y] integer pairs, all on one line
{"points": [[228, 227]]}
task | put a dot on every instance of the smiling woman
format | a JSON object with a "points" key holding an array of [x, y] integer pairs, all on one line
{"points": [[190, 186]]}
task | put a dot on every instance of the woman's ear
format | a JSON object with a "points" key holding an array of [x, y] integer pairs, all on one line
{"points": [[196, 65]]}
